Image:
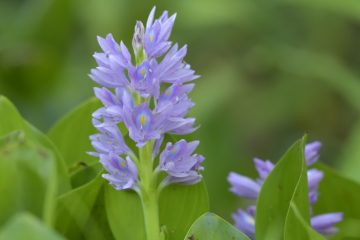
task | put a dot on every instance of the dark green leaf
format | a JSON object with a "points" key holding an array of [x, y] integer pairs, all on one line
{"points": [[75, 212]]}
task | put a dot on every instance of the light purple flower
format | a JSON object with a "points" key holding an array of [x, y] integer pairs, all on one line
{"points": [[122, 174], [180, 163], [157, 34], [243, 186], [312, 152], [264, 168], [245, 221], [131, 95], [325, 223]]}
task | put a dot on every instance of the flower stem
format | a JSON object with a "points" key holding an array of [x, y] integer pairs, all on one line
{"points": [[148, 193]]}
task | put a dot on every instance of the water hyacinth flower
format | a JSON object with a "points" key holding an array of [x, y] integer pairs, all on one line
{"points": [[146, 92], [247, 188]]}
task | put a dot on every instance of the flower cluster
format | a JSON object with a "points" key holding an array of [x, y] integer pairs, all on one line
{"points": [[245, 187], [146, 92]]}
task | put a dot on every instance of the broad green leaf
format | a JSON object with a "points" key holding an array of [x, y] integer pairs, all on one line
{"points": [[339, 194], [297, 228], [27, 178], [71, 135], [25, 226], [211, 227], [180, 206], [11, 121], [124, 212], [286, 183], [75, 207]]}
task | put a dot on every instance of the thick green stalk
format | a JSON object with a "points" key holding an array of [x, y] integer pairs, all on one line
{"points": [[148, 193]]}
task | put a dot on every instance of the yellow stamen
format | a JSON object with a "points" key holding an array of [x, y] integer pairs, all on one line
{"points": [[151, 37], [143, 72], [142, 119]]}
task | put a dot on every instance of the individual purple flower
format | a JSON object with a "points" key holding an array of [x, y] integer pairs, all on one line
{"points": [[314, 178], [245, 221], [312, 152], [172, 68], [109, 140], [324, 223], [180, 163], [264, 168], [245, 187], [122, 173], [157, 34]]}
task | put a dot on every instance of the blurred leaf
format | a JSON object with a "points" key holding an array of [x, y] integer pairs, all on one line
{"points": [[339, 194], [71, 134], [179, 207], [320, 66], [27, 178], [349, 161], [11, 120], [286, 183], [25, 226], [75, 208], [211, 227]]}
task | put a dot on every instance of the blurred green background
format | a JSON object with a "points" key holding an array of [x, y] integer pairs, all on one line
{"points": [[271, 71]]}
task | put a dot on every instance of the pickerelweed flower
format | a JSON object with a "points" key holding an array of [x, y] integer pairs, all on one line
{"points": [[147, 93], [245, 187]]}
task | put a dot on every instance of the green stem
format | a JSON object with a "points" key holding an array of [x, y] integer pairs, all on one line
{"points": [[148, 193]]}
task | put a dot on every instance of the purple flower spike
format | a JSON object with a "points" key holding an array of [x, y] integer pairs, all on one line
{"points": [[312, 152], [122, 174], [132, 95], [243, 186], [180, 163], [245, 221], [324, 223]]}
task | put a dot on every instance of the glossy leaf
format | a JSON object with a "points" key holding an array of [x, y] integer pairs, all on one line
{"points": [[11, 121], [211, 227], [27, 178], [180, 206], [25, 226], [286, 183]]}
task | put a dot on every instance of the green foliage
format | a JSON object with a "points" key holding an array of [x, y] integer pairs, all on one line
{"points": [[339, 194], [25, 226], [71, 135], [287, 183], [12, 121], [180, 206], [28, 178], [211, 227]]}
